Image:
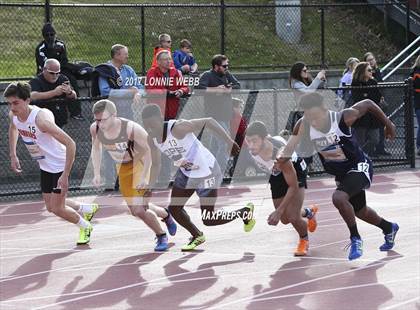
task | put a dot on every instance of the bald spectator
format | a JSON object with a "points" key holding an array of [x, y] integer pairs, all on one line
{"points": [[119, 81], [50, 84]]}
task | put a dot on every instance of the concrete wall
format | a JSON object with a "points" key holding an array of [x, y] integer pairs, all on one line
{"points": [[270, 80], [279, 80]]}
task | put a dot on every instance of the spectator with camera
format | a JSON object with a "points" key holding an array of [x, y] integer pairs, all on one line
{"points": [[218, 84], [301, 79], [50, 84]]}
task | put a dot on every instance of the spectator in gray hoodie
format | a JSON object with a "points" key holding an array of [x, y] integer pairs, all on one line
{"points": [[301, 79]]}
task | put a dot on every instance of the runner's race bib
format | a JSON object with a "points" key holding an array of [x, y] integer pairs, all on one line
{"points": [[34, 150], [188, 166], [210, 182]]}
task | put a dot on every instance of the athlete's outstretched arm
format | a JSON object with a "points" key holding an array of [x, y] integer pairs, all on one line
{"points": [[96, 155], [142, 153], [368, 106], [289, 174], [294, 140], [182, 127], [13, 137], [155, 169], [46, 124]]}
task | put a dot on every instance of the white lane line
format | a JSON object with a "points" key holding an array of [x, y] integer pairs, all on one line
{"points": [[46, 297], [175, 281], [204, 269], [241, 300], [334, 290], [401, 304], [12, 255]]}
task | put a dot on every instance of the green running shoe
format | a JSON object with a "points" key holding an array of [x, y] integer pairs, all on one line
{"points": [[249, 225], [194, 242], [89, 216], [84, 235]]}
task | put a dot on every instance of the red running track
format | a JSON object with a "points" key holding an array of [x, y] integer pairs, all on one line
{"points": [[41, 268]]}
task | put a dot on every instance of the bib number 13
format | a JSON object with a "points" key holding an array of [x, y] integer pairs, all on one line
{"points": [[209, 183], [363, 167]]}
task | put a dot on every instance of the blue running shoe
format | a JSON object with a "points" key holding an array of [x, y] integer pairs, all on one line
{"points": [[161, 243], [389, 238], [170, 224], [356, 248]]}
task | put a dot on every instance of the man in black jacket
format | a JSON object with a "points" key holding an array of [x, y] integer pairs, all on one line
{"points": [[53, 48], [218, 84], [377, 75]]}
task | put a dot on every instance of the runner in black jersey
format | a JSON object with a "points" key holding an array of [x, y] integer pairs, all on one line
{"points": [[287, 180]]}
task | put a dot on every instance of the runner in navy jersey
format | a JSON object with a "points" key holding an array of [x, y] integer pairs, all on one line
{"points": [[330, 133]]}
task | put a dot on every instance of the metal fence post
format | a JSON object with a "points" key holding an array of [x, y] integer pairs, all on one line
{"points": [[275, 113], [47, 11], [409, 123], [322, 37], [222, 27], [143, 42], [407, 27]]}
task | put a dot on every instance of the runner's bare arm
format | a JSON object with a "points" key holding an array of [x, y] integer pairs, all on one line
{"points": [[96, 154], [183, 127], [294, 140], [13, 137], [289, 174], [359, 109], [142, 152], [155, 169]]}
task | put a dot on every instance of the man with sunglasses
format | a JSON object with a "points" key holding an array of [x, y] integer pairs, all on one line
{"points": [[165, 44], [50, 47], [51, 84], [217, 85]]}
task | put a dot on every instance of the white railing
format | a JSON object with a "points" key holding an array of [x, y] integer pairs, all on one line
{"points": [[414, 43]]}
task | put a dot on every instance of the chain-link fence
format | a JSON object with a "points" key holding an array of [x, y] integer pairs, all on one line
{"points": [[273, 107], [253, 36]]}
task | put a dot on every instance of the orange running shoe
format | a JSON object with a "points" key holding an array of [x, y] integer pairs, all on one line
{"points": [[302, 248], [312, 224]]}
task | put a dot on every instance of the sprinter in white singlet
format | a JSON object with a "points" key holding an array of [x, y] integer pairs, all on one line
{"points": [[198, 170], [53, 149]]}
